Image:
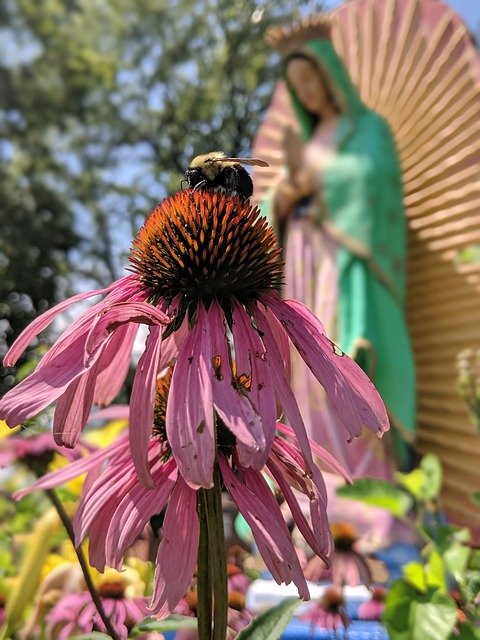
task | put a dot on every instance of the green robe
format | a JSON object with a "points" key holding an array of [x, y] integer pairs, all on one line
{"points": [[361, 189]]}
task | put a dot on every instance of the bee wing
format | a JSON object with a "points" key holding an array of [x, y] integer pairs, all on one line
{"points": [[251, 161]]}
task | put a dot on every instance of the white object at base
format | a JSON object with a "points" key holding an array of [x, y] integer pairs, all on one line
{"points": [[265, 594]]}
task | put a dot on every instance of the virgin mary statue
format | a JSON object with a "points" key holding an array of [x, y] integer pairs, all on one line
{"points": [[338, 206]]}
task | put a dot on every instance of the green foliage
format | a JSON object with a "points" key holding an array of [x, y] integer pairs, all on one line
{"points": [[172, 623], [425, 482], [411, 614], [419, 606], [272, 623], [378, 493]]}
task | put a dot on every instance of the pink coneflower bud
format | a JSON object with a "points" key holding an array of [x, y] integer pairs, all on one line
{"points": [[373, 609], [329, 612]]}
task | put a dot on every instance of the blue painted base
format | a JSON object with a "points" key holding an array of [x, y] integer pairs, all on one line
{"points": [[358, 630]]}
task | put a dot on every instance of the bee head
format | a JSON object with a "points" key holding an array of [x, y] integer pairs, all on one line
{"points": [[209, 164]]}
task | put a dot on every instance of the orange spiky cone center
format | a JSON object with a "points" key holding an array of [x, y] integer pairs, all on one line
{"points": [[201, 246]]}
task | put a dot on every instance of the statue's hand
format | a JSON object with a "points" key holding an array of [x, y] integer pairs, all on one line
{"points": [[293, 147]]}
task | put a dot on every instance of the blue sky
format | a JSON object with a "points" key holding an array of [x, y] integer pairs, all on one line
{"points": [[468, 9]]}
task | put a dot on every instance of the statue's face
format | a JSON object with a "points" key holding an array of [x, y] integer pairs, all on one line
{"points": [[306, 82]]}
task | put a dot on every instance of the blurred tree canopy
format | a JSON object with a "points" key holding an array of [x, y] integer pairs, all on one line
{"points": [[102, 105]]}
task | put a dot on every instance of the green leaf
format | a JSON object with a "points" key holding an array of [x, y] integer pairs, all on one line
{"points": [[414, 574], [434, 620], [172, 623], [455, 558], [430, 465], [435, 571], [413, 482], [272, 623], [378, 493], [412, 615]]}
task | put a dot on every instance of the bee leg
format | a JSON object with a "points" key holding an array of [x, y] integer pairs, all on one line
{"points": [[200, 185]]}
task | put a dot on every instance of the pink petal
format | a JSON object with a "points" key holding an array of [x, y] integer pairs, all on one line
{"points": [[348, 387], [171, 345], [258, 506], [315, 541], [281, 339], [114, 412], [40, 323], [73, 408], [251, 361], [142, 402], [114, 364], [117, 314], [324, 455], [283, 389], [135, 510], [177, 554], [190, 417], [98, 505], [47, 383], [74, 469], [235, 410]]}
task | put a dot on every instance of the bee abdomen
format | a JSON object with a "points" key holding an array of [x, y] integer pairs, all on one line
{"points": [[236, 178]]}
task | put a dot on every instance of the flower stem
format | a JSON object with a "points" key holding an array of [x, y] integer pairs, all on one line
{"points": [[219, 565], [204, 574], [212, 565], [67, 523]]}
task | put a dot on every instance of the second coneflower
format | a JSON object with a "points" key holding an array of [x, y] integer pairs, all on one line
{"points": [[206, 276]]}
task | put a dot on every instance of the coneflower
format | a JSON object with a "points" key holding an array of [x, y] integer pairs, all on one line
{"points": [[207, 272]]}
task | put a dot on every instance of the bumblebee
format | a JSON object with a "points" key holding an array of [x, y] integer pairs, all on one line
{"points": [[215, 170]]}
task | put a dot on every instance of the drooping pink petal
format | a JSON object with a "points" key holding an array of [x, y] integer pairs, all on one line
{"points": [[73, 408], [190, 416], [316, 542], [281, 339], [98, 505], [142, 402], [261, 511], [349, 389], [177, 553], [47, 383], [115, 412], [252, 366], [40, 323], [135, 510], [171, 345], [283, 389], [114, 364], [324, 455], [233, 407], [292, 466], [114, 316], [74, 469]]}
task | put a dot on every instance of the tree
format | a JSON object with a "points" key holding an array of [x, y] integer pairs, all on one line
{"points": [[104, 104]]}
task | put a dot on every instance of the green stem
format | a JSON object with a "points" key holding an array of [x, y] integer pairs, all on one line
{"points": [[67, 523], [219, 564], [204, 572], [212, 565]]}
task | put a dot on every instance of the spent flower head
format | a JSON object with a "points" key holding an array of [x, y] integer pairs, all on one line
{"points": [[115, 506]]}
